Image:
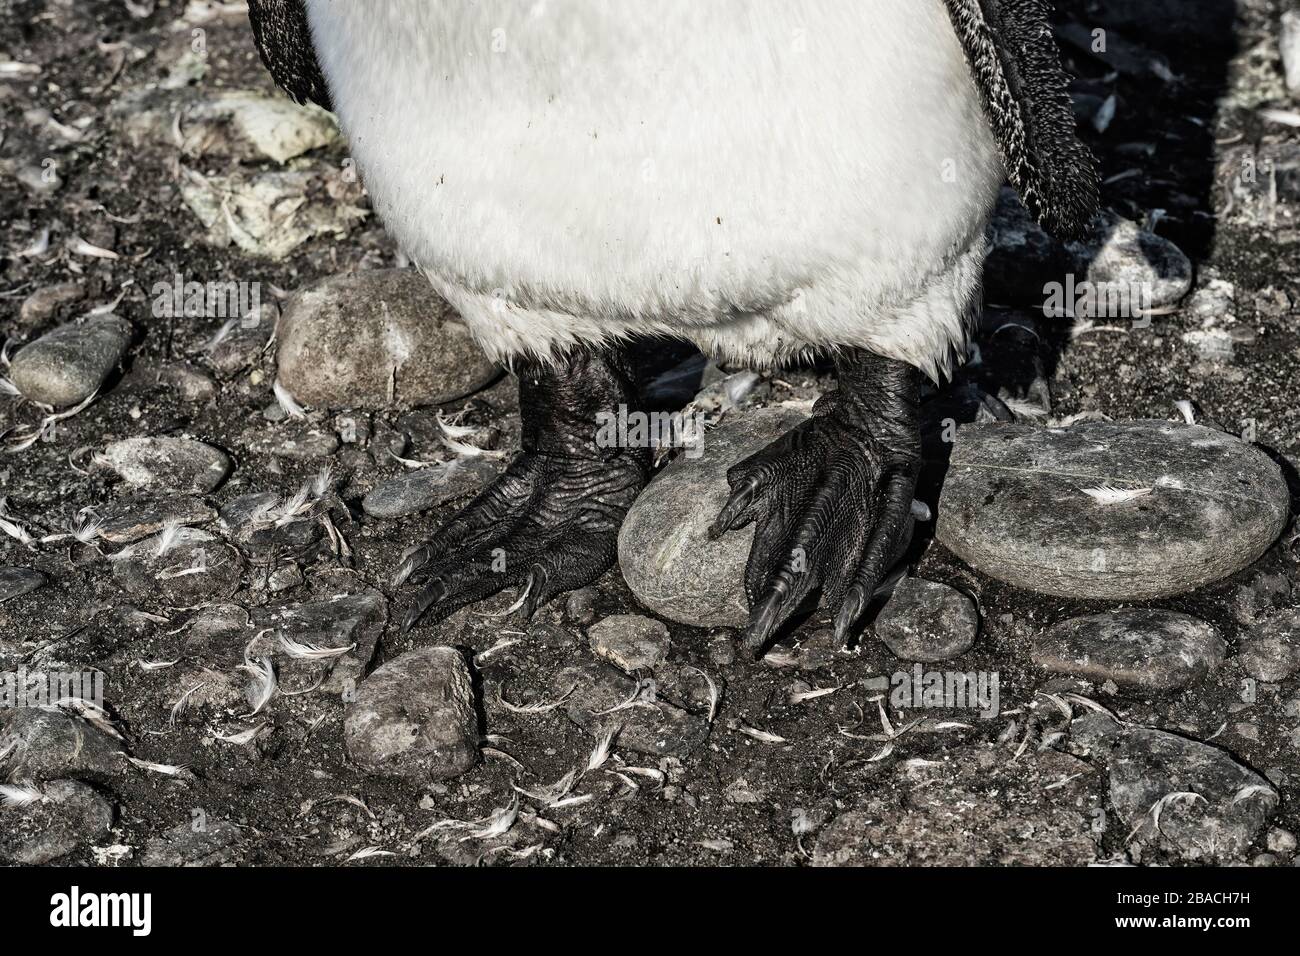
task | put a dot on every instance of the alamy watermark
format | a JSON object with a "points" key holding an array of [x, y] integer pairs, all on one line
{"points": [[919, 689], [24, 688], [632, 429], [178, 298], [1098, 300]]}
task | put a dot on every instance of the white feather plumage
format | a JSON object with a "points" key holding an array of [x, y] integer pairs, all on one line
{"points": [[762, 177]]}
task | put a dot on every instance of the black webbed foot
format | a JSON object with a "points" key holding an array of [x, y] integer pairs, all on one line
{"points": [[549, 524], [831, 498]]}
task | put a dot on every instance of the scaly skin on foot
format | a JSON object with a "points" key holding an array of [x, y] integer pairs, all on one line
{"points": [[830, 499], [549, 524]]}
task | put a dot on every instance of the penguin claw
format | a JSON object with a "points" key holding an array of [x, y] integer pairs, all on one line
{"points": [[831, 501]]}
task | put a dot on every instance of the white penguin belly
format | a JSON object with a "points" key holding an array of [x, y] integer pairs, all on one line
{"points": [[762, 176]]}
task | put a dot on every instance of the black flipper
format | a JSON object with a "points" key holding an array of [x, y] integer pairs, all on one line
{"points": [[1017, 67], [283, 39]]}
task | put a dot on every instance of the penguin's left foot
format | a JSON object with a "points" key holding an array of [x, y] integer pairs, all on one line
{"points": [[831, 499], [549, 524]]}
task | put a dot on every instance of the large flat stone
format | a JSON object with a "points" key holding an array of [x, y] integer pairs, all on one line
{"points": [[1015, 506], [1139, 649]]}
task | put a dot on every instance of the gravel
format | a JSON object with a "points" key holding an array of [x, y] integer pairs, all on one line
{"points": [[1271, 652]]}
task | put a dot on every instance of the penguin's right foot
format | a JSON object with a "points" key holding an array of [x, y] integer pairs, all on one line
{"points": [[830, 499], [549, 524]]}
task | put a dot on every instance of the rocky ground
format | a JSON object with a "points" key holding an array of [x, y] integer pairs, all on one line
{"points": [[185, 516]]}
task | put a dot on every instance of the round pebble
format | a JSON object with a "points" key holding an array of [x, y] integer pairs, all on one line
{"points": [[371, 339], [927, 622], [179, 464], [64, 367], [664, 550]]}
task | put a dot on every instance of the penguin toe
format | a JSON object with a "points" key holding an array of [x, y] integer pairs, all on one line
{"points": [[830, 504], [546, 526]]}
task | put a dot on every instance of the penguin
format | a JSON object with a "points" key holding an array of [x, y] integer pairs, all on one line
{"points": [[770, 180]]}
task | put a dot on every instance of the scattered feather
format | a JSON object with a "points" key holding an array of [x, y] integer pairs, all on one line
{"points": [[600, 754], [368, 853], [166, 769], [263, 672], [287, 401], [19, 795], [80, 247], [534, 708], [807, 695], [762, 736], [312, 652], [1109, 495], [243, 737]]}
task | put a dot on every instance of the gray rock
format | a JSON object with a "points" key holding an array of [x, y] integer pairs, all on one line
{"points": [[414, 717], [124, 522], [253, 524], [1150, 769], [41, 305], [200, 842], [580, 606], [664, 551], [630, 642], [1014, 506], [67, 365], [343, 621], [1271, 652], [183, 568], [247, 125], [427, 488], [926, 621], [974, 808], [235, 348], [1121, 256], [246, 207], [308, 444], [1281, 841], [191, 384], [653, 727], [177, 464], [49, 744], [68, 814], [371, 339], [15, 582], [1093, 734], [1147, 650]]}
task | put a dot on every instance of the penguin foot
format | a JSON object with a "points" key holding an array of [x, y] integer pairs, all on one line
{"points": [[831, 499], [549, 524]]}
